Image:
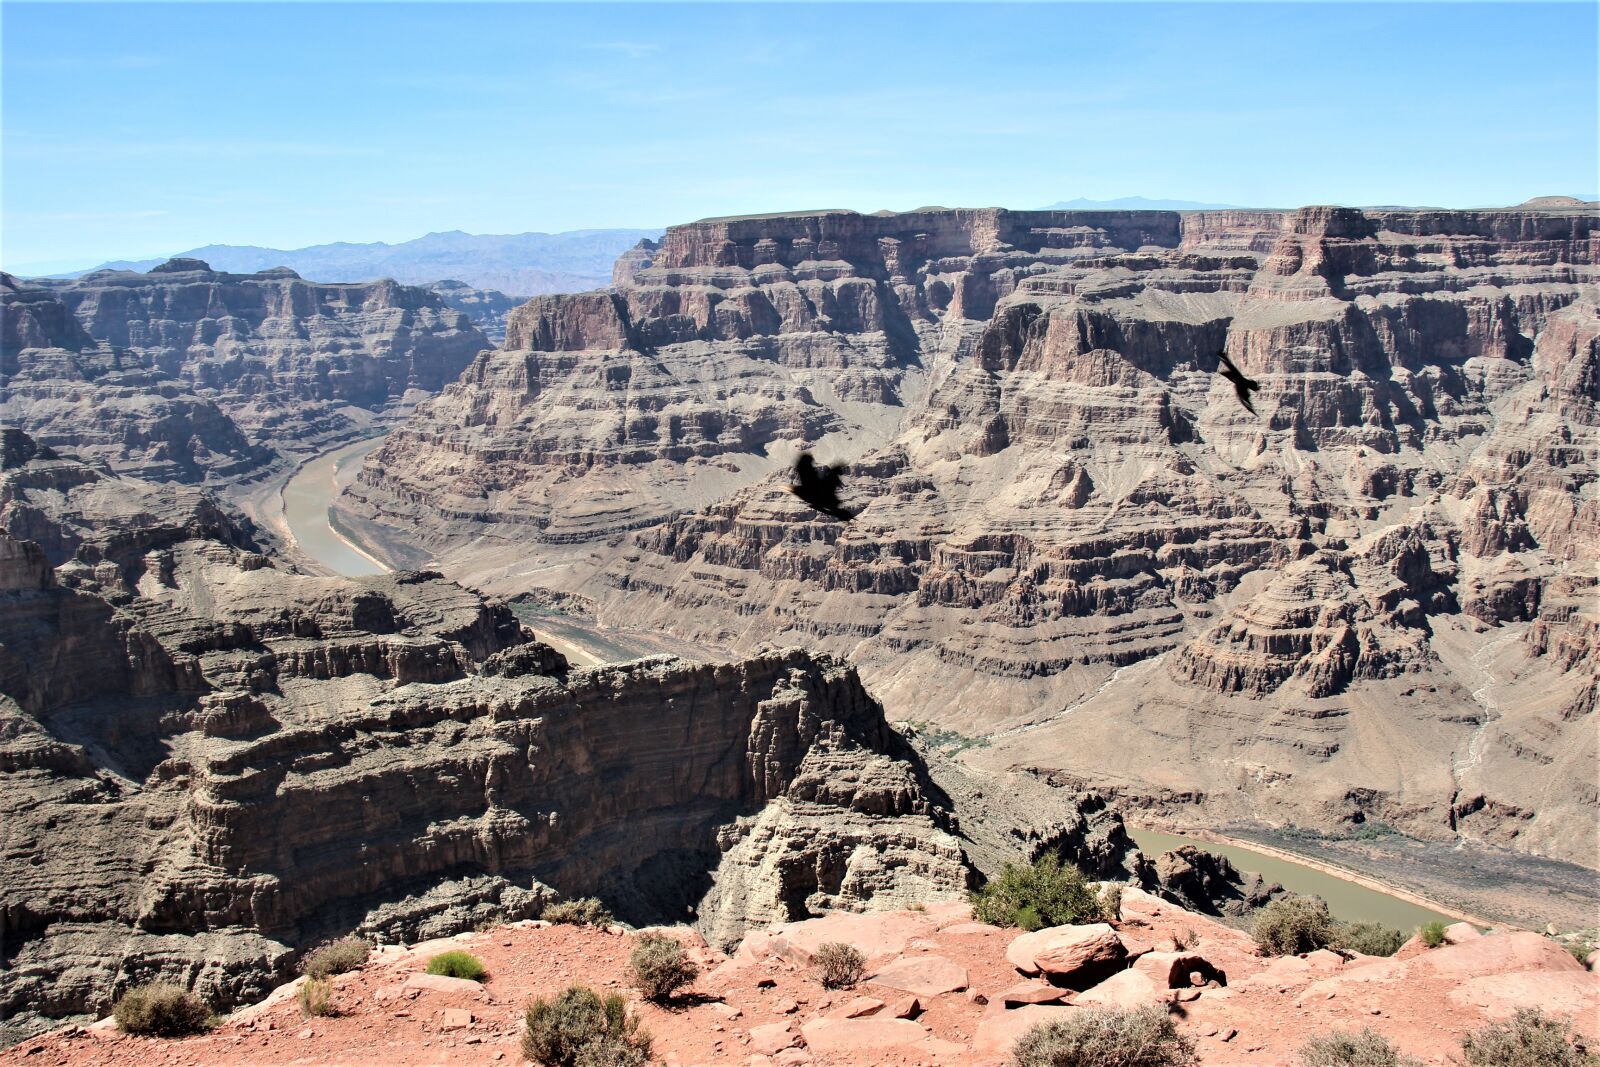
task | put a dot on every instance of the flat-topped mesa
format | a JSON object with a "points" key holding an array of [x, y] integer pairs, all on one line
{"points": [[900, 242]]}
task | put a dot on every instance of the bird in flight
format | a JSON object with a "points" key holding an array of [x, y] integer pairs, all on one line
{"points": [[1241, 385], [819, 487]]}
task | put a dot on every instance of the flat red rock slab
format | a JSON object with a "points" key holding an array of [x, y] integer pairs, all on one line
{"points": [[924, 976], [852, 1037]]}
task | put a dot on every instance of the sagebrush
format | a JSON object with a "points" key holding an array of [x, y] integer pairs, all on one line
{"points": [[1106, 1038], [585, 911], [1369, 939], [579, 1028], [1364, 1049], [316, 997], [1044, 893], [1530, 1038], [838, 965], [1432, 933], [336, 957], [161, 1010], [1290, 925], [658, 966]]}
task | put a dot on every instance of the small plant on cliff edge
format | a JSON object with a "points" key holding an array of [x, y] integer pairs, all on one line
{"points": [[580, 1029], [1289, 925], [1046, 893], [1104, 1037], [658, 966], [161, 1010], [336, 957], [838, 965], [1369, 939], [1365, 1049], [1530, 1039], [458, 964], [1432, 933], [586, 911], [316, 998]]}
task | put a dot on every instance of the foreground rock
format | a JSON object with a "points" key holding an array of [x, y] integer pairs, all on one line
{"points": [[763, 1008]]}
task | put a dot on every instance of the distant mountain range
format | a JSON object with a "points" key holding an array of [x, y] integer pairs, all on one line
{"points": [[517, 264]]}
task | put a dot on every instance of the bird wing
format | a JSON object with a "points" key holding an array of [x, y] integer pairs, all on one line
{"points": [[830, 476], [1223, 356]]}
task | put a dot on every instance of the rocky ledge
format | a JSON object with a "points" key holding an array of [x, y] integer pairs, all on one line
{"points": [[940, 991]]}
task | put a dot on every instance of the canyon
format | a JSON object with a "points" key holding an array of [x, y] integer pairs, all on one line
{"points": [[1371, 606]]}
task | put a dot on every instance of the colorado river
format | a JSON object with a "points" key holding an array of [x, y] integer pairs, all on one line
{"points": [[1346, 899], [307, 497]]}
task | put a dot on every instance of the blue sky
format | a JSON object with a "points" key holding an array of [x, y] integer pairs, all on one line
{"points": [[144, 129]]}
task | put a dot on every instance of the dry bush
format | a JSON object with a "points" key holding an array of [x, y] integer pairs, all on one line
{"points": [[658, 966], [316, 998], [838, 965], [161, 1010], [1365, 1049], [336, 957], [1529, 1039], [1369, 939], [1106, 1038], [579, 1028], [1290, 925], [587, 911]]}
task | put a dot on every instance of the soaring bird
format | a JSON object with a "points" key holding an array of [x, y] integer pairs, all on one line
{"points": [[1241, 385], [819, 487]]}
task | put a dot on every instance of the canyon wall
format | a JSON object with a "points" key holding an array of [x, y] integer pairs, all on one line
{"points": [[190, 374], [1372, 602], [209, 763]]}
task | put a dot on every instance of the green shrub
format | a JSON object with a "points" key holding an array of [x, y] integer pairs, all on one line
{"points": [[1366, 1049], [838, 965], [457, 964], [658, 966], [1289, 925], [1043, 894], [1369, 939], [161, 1010], [587, 911], [580, 1029], [336, 957], [316, 997], [1432, 933], [1111, 901], [1106, 1038], [1530, 1039]]}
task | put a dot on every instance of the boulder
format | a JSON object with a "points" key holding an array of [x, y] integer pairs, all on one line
{"points": [[1126, 990], [772, 1038], [848, 1038], [1071, 955], [998, 1031], [1032, 992], [1176, 970]]}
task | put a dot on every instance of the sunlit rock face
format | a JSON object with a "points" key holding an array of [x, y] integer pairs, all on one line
{"points": [[1356, 604], [190, 374]]}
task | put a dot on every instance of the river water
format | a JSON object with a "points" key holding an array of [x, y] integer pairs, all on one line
{"points": [[306, 500], [1346, 900]]}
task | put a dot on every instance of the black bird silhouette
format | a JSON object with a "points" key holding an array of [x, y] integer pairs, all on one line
{"points": [[819, 487], [1241, 385]]}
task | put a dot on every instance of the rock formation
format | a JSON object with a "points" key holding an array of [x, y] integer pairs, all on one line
{"points": [[1076, 544], [208, 762], [487, 309], [186, 373]]}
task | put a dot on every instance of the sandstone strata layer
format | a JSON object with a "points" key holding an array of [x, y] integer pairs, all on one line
{"points": [[1374, 601], [208, 762], [186, 373]]}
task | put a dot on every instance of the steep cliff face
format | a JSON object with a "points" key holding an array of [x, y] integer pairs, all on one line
{"points": [[207, 763], [1078, 543], [185, 373]]}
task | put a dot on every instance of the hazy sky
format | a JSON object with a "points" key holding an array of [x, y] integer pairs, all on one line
{"points": [[144, 129]]}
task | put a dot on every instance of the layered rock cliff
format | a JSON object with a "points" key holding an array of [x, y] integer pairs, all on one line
{"points": [[1076, 544], [186, 373], [208, 762]]}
